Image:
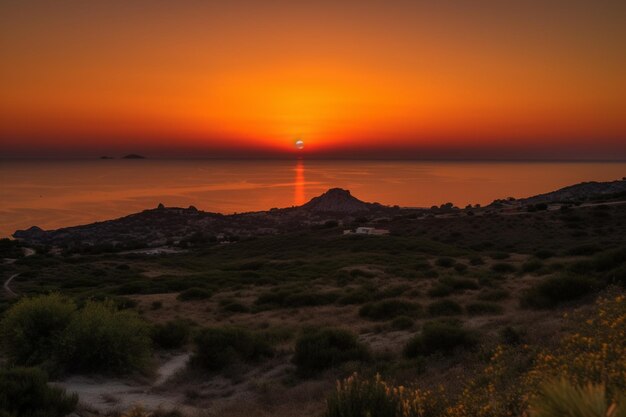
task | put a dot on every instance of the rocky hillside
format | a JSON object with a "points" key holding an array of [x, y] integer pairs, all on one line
{"points": [[164, 225], [581, 192], [338, 200]]}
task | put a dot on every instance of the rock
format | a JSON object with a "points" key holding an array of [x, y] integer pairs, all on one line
{"points": [[338, 200]]}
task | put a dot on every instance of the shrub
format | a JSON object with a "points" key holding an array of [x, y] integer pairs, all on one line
{"points": [[358, 397], [325, 348], [532, 266], [594, 352], [232, 306], [544, 254], [460, 268], [194, 293], [359, 296], [562, 398], [25, 392], [402, 323], [445, 262], [510, 336], [500, 255], [476, 260], [309, 299], [439, 336], [583, 250], [445, 308], [156, 305], [617, 276], [171, 335], [218, 348], [478, 309], [555, 290], [286, 298], [389, 309], [610, 259], [460, 284], [440, 290], [32, 329], [102, 339], [502, 267], [493, 295]]}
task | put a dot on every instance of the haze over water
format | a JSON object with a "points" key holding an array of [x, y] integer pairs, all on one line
{"points": [[53, 194]]}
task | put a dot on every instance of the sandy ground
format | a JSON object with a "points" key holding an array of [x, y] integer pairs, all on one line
{"points": [[106, 395]]}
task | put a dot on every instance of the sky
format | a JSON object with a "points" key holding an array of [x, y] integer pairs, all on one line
{"points": [[384, 79]]}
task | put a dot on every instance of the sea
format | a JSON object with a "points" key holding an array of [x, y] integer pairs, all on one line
{"points": [[58, 193]]}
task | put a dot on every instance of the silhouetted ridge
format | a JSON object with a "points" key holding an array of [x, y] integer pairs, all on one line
{"points": [[337, 200]]}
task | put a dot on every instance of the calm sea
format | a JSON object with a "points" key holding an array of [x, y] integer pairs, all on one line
{"points": [[53, 194]]}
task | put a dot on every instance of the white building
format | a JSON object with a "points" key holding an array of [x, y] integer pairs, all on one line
{"points": [[367, 231]]}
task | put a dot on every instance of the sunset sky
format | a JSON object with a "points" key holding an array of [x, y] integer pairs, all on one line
{"points": [[397, 79]]}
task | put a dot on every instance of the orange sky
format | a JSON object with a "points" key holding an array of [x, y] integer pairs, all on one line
{"points": [[351, 78]]}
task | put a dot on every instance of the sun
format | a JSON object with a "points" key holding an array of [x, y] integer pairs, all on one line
{"points": [[299, 144]]}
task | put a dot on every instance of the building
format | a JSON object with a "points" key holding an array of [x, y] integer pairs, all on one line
{"points": [[367, 231]]}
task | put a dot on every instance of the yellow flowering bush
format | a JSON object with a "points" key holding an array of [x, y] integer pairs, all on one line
{"points": [[595, 353], [362, 397], [587, 369]]}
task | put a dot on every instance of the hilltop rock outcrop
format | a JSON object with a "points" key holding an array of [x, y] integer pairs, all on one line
{"points": [[338, 200]]}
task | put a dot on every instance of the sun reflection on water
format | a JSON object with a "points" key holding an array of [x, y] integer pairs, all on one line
{"points": [[299, 197]]}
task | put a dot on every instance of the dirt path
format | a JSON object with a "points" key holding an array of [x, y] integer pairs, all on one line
{"points": [[7, 289], [107, 395], [171, 367]]}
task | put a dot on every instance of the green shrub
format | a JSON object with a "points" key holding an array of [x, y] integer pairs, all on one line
{"points": [[510, 336], [617, 276], [194, 293], [325, 348], [445, 262], [232, 306], [290, 299], [310, 299], [440, 290], [460, 268], [357, 397], [445, 308], [544, 254], [584, 250], [502, 267], [402, 323], [24, 392], [389, 309], [460, 284], [562, 398], [171, 335], [218, 348], [610, 259], [555, 290], [483, 308], [32, 329], [476, 260], [359, 296], [532, 266], [439, 337], [360, 397], [101, 338], [493, 295]]}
